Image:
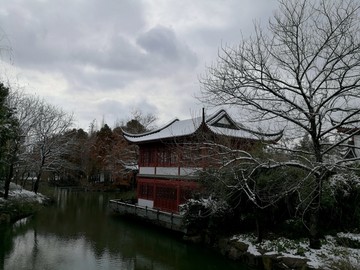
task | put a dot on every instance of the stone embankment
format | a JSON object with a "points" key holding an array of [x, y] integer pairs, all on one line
{"points": [[261, 259], [244, 252], [337, 252]]}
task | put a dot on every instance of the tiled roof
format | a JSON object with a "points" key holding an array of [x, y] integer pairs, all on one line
{"points": [[219, 123]]}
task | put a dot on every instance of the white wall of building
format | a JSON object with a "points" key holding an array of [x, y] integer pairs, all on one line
{"points": [[167, 171], [146, 203], [147, 170]]}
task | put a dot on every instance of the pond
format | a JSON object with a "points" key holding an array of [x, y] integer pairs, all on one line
{"points": [[78, 232]]}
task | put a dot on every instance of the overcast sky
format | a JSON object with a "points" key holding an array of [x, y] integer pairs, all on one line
{"points": [[105, 58]]}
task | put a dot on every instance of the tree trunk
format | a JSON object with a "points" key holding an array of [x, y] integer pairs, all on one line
{"points": [[259, 225], [314, 239], [6, 187], [8, 180], [36, 184]]}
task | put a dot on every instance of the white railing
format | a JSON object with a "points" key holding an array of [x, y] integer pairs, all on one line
{"points": [[168, 220]]}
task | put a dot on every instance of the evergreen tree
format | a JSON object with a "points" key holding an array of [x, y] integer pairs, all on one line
{"points": [[8, 137]]}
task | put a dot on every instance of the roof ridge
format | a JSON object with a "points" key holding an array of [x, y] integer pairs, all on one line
{"points": [[133, 135], [215, 114], [222, 113]]}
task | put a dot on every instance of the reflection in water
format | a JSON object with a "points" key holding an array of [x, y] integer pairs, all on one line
{"points": [[78, 233]]}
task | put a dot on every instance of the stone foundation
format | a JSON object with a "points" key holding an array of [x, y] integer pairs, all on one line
{"points": [[238, 251]]}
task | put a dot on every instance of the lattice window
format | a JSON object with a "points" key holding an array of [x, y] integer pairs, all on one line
{"points": [[146, 191]]}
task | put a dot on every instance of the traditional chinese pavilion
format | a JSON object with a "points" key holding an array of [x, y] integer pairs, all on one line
{"points": [[169, 162]]}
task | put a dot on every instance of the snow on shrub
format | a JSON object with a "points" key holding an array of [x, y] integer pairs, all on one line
{"points": [[205, 213]]}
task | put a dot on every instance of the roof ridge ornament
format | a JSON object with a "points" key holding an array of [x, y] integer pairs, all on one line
{"points": [[203, 115]]}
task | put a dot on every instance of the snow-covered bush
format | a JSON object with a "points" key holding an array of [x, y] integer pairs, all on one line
{"points": [[205, 214], [341, 202], [281, 204]]}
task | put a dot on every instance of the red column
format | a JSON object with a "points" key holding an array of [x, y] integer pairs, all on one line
{"points": [[154, 194]]}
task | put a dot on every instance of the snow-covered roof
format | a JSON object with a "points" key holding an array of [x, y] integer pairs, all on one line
{"points": [[219, 123]]}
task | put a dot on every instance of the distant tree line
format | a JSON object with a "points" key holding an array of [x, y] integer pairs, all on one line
{"points": [[38, 142]]}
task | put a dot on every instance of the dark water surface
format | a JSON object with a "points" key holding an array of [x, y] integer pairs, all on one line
{"points": [[79, 233]]}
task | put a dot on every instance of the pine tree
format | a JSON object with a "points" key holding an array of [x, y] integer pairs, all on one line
{"points": [[8, 137]]}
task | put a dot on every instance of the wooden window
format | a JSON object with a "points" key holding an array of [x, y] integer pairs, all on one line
{"points": [[173, 158], [191, 156], [163, 192], [166, 198], [166, 157], [147, 156], [146, 191]]}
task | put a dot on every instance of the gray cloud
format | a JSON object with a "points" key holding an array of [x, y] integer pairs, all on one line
{"points": [[49, 32], [161, 41], [93, 45], [115, 111], [111, 56], [162, 45]]}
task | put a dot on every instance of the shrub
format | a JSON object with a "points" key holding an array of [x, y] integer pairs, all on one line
{"points": [[206, 214]]}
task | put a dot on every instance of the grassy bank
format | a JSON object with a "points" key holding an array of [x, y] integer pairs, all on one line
{"points": [[20, 203], [12, 211]]}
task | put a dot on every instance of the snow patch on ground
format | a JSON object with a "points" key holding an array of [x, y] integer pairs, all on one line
{"points": [[16, 192], [323, 258]]}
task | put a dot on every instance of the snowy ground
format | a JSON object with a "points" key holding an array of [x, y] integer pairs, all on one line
{"points": [[330, 254], [16, 192]]}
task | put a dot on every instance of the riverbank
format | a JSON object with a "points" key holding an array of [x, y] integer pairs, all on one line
{"points": [[20, 203], [339, 252]]}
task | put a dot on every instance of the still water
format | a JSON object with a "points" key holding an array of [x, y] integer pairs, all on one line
{"points": [[78, 232]]}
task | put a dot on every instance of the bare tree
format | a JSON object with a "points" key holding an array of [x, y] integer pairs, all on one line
{"points": [[301, 73], [49, 142], [43, 137], [25, 107], [146, 120], [229, 170], [138, 123]]}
